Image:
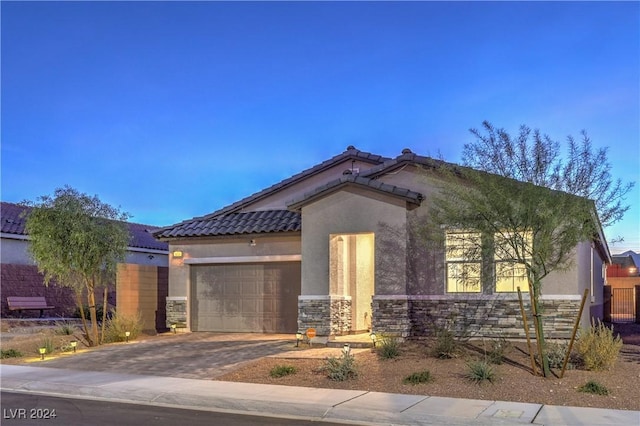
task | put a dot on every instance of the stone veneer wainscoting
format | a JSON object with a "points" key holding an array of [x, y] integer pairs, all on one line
{"points": [[328, 315], [473, 316], [177, 311], [390, 315]]}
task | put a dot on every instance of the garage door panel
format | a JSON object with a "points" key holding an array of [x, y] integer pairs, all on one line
{"points": [[248, 288], [250, 307], [257, 297]]}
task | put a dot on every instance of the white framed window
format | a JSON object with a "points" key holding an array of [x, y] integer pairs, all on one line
{"points": [[464, 262], [509, 248]]}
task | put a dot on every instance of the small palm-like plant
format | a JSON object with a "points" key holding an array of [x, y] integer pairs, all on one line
{"points": [[480, 372], [65, 328], [389, 347], [446, 346], [594, 387], [282, 370], [418, 378]]}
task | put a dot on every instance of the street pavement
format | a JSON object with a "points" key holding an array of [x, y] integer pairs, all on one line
{"points": [[28, 409], [176, 371]]}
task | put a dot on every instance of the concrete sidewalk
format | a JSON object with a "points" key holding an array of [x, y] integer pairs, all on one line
{"points": [[347, 406]]}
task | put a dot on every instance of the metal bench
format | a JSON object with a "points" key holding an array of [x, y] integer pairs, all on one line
{"points": [[34, 303]]}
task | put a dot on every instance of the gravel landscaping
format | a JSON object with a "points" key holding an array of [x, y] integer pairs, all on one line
{"points": [[514, 379]]}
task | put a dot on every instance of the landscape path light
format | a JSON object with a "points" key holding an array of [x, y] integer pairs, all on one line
{"points": [[74, 345], [298, 338], [373, 338], [126, 335], [173, 328], [346, 349], [42, 352]]}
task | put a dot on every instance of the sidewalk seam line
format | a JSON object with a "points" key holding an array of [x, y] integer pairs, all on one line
{"points": [[416, 403], [537, 413], [351, 399]]}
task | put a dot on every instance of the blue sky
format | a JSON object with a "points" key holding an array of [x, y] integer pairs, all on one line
{"points": [[173, 110]]}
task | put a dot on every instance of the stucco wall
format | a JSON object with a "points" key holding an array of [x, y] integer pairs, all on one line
{"points": [[14, 251], [137, 292], [427, 274], [147, 258], [353, 211]]}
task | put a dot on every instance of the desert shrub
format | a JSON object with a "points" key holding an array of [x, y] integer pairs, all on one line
{"points": [[282, 370], [65, 328], [480, 372], [388, 347], [341, 369], [11, 353], [446, 346], [418, 378], [497, 350], [594, 387], [46, 343], [118, 324], [556, 352], [597, 347]]}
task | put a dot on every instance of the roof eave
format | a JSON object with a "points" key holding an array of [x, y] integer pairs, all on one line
{"points": [[296, 205], [176, 239]]}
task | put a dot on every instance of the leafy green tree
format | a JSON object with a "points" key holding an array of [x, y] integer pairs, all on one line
{"points": [[531, 206], [78, 241]]}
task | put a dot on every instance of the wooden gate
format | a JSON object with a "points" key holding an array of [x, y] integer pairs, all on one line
{"points": [[623, 305]]}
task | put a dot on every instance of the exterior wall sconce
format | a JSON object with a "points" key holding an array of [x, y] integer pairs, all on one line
{"points": [[178, 254], [126, 335], [346, 349], [373, 338], [42, 351], [74, 345], [298, 338], [173, 328], [252, 243]]}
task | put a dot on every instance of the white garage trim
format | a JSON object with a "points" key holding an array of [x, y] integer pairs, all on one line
{"points": [[244, 259]]}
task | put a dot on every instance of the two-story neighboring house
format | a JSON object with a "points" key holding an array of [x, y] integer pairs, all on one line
{"points": [[332, 248], [20, 275]]}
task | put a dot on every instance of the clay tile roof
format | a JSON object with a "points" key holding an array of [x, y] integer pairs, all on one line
{"points": [[13, 217], [408, 195], [142, 237], [263, 221], [12, 220], [350, 154], [407, 157]]}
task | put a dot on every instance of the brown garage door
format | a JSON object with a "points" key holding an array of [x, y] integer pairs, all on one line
{"points": [[245, 297]]}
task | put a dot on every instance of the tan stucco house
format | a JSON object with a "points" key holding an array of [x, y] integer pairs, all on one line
{"points": [[333, 248]]}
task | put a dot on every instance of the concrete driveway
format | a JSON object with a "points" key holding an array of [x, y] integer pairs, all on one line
{"points": [[187, 355]]}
